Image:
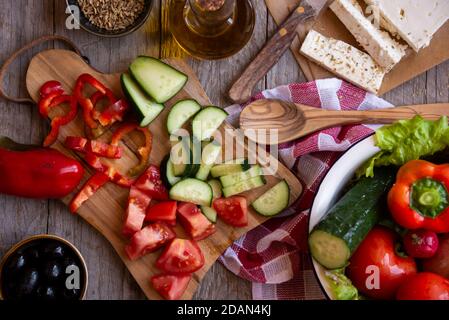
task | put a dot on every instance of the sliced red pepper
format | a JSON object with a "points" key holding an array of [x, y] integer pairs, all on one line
{"points": [[114, 112], [50, 87], [144, 151], [86, 103], [58, 121], [98, 148], [138, 203], [90, 187], [115, 176]]}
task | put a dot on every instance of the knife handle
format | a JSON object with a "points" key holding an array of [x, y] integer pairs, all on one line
{"points": [[242, 89]]}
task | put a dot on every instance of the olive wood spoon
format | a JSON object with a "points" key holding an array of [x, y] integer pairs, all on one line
{"points": [[294, 121]]}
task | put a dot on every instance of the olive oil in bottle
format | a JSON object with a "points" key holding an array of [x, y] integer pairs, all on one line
{"points": [[211, 29]]}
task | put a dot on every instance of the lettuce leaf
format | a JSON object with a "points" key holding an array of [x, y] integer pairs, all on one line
{"points": [[407, 140], [341, 285]]}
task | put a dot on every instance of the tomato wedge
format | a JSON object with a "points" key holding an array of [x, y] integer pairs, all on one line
{"points": [[171, 287], [232, 210], [149, 239], [181, 256], [138, 203], [163, 211], [194, 222], [90, 187], [150, 182]]}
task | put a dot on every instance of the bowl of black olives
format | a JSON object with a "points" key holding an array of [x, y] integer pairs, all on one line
{"points": [[43, 267]]}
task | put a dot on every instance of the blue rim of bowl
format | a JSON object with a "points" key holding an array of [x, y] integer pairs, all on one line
{"points": [[91, 28], [313, 202]]}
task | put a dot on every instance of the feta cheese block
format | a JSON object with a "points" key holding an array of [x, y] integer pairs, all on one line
{"points": [[344, 60], [416, 21], [386, 51]]}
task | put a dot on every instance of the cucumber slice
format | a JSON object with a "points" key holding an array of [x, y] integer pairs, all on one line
{"points": [[209, 213], [230, 167], [274, 200], [243, 186], [192, 190], [159, 80], [347, 223], [207, 121], [216, 188], [210, 154], [235, 178], [147, 110], [180, 113], [180, 158], [168, 176]]}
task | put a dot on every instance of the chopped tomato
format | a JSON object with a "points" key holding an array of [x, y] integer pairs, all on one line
{"points": [[138, 203], [163, 211], [194, 222], [90, 187], [171, 287], [232, 210], [149, 239], [181, 256], [150, 182]]}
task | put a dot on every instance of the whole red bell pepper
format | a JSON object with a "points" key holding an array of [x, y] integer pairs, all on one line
{"points": [[36, 172], [420, 199]]}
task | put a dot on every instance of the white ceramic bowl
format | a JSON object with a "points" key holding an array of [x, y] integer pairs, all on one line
{"points": [[330, 190]]}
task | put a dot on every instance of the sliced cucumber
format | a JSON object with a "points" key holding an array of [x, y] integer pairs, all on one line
{"points": [[243, 186], [274, 200], [180, 158], [209, 213], [147, 109], [235, 178], [159, 80], [210, 154], [180, 113], [168, 175], [207, 121], [216, 188], [230, 167], [192, 190]]}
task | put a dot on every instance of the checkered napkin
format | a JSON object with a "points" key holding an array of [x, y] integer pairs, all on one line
{"points": [[274, 255]]}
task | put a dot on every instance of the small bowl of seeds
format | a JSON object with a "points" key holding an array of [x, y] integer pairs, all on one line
{"points": [[110, 18]]}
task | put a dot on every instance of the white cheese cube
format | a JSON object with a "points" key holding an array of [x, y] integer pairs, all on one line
{"points": [[383, 49], [344, 60], [416, 21]]}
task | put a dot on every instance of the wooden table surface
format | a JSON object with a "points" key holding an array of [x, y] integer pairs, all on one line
{"points": [[24, 20]]}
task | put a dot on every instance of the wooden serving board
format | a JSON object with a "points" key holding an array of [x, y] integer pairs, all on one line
{"points": [[329, 25], [105, 210]]}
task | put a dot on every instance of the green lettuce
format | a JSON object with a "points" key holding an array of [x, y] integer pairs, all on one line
{"points": [[407, 140], [341, 285]]}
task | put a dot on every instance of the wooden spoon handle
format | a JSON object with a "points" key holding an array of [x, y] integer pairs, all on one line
{"points": [[241, 90]]}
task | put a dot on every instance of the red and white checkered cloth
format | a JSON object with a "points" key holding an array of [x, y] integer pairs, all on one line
{"points": [[274, 255]]}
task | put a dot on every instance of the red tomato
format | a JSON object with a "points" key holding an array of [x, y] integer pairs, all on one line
{"points": [[194, 222], [135, 211], [424, 286], [150, 182], [232, 210], [149, 239], [163, 211], [181, 256], [375, 262], [171, 287]]}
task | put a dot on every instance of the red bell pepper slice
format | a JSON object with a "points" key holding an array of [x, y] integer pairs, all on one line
{"points": [[163, 211], [98, 148], [138, 203], [149, 239], [86, 103], [90, 187], [150, 182], [51, 101], [114, 112], [144, 151], [95, 162], [49, 87], [171, 287], [197, 226]]}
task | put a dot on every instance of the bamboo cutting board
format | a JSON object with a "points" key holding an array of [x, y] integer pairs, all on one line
{"points": [[329, 25], [105, 210]]}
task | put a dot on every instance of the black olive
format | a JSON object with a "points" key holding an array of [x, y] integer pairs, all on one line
{"points": [[27, 283], [32, 253], [15, 264], [52, 270], [47, 293], [54, 250]]}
